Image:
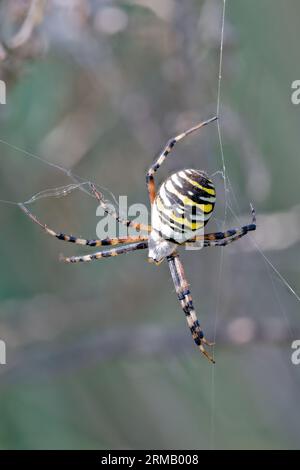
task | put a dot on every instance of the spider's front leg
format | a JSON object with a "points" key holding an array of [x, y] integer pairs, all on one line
{"points": [[185, 298], [167, 149]]}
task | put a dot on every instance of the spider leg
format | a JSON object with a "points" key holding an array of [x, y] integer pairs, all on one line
{"points": [[108, 210], [105, 253], [186, 302], [81, 241], [167, 149], [224, 238]]}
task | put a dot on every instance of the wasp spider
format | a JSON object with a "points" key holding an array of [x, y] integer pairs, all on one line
{"points": [[180, 210]]}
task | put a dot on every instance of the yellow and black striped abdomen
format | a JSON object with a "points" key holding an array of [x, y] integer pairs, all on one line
{"points": [[183, 205]]}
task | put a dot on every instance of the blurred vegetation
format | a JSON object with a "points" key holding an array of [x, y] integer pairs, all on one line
{"points": [[99, 355]]}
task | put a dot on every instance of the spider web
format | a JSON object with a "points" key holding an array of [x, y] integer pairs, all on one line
{"points": [[82, 184], [79, 183]]}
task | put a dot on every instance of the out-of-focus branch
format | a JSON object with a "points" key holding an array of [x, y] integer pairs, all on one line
{"points": [[3, 53], [34, 17]]}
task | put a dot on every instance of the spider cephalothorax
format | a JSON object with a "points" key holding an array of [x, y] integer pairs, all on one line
{"points": [[180, 210]]}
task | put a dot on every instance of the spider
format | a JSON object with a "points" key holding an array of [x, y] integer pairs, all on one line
{"points": [[179, 210]]}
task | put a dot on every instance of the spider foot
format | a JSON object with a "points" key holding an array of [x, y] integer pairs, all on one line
{"points": [[203, 350], [97, 194]]}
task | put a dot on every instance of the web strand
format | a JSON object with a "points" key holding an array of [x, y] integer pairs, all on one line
{"points": [[218, 108], [213, 369], [221, 58]]}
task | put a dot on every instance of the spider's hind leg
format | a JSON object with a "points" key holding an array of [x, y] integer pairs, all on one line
{"points": [[186, 302]]}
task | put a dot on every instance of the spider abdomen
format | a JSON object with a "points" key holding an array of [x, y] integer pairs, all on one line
{"points": [[183, 205]]}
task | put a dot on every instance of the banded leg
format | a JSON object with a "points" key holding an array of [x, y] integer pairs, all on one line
{"points": [[108, 210], [186, 302], [105, 253], [82, 241], [168, 148], [224, 238]]}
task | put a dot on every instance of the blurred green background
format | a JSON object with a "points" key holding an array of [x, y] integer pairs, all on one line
{"points": [[99, 355]]}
